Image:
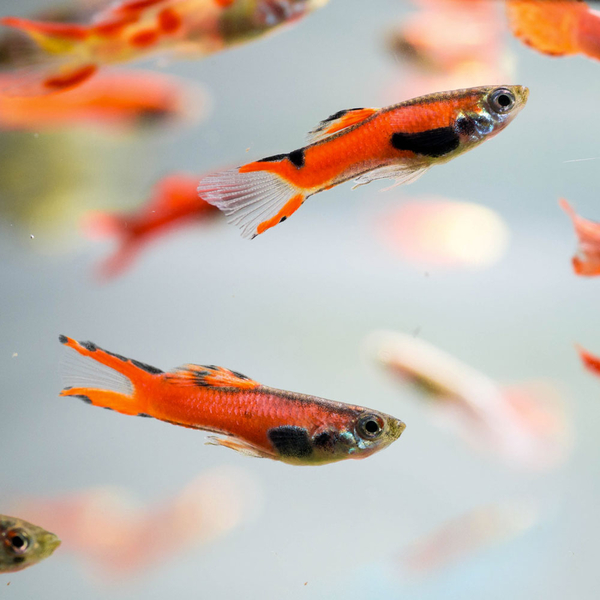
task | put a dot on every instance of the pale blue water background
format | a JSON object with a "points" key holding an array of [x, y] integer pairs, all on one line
{"points": [[291, 309]]}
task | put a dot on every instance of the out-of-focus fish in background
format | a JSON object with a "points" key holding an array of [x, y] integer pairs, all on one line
{"points": [[23, 544], [173, 203], [526, 425], [590, 361], [135, 29], [449, 44], [435, 231], [258, 420], [399, 142], [556, 27], [117, 537], [587, 260], [460, 538], [119, 100]]}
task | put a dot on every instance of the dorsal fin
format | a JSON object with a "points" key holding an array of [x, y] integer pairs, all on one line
{"points": [[210, 376], [340, 120]]}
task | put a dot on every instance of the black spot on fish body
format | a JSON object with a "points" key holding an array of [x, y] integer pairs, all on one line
{"points": [[297, 157], [432, 142], [89, 346], [282, 219], [290, 441], [326, 440], [465, 125], [63, 339], [145, 367], [17, 560], [86, 399]]}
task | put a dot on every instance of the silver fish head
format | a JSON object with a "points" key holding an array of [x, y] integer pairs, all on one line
{"points": [[23, 544]]}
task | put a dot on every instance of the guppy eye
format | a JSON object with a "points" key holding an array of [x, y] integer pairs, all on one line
{"points": [[502, 100], [370, 427], [17, 541]]}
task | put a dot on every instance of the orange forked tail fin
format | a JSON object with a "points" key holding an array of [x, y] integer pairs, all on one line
{"points": [[108, 380], [255, 197], [210, 376]]}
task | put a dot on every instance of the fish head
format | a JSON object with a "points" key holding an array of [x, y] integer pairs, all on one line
{"points": [[23, 544], [367, 432], [488, 111]]}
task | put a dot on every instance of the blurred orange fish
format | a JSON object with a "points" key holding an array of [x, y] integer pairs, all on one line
{"points": [[122, 100], [525, 425], [590, 362], [134, 29], [556, 27], [174, 202], [446, 233], [118, 538], [587, 261], [468, 534]]}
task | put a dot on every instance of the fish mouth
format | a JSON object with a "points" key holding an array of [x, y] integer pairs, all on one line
{"points": [[50, 543], [396, 427]]}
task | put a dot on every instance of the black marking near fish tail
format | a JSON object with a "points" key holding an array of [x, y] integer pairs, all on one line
{"points": [[290, 441], [63, 339], [148, 368], [89, 346], [240, 375], [85, 399], [296, 157], [115, 355], [432, 142], [147, 416], [339, 114]]}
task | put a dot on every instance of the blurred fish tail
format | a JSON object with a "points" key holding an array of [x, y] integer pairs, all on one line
{"points": [[107, 379]]}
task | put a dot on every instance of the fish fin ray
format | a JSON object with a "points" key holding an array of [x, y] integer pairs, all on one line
{"points": [[239, 446], [254, 200], [403, 174], [338, 121], [106, 379], [210, 376]]}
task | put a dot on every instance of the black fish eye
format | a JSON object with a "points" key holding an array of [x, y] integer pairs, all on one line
{"points": [[502, 100], [17, 541], [370, 426]]}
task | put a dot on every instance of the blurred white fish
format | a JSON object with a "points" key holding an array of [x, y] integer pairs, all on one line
{"points": [[440, 232], [467, 535], [525, 425], [118, 538]]}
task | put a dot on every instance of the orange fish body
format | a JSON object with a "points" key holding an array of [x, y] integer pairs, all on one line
{"points": [[587, 261], [111, 99], [401, 142], [174, 203], [134, 29], [258, 420], [556, 27]]}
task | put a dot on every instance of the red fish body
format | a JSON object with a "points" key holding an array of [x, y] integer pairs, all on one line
{"points": [[556, 27], [174, 203], [400, 142], [135, 29], [258, 420], [587, 261]]}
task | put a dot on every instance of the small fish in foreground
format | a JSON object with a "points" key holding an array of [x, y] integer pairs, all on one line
{"points": [[174, 203], [587, 260], [23, 544], [259, 421], [399, 142], [134, 29], [526, 425], [556, 27]]}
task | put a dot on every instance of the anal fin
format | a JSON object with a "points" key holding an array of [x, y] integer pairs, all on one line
{"points": [[240, 446], [402, 173]]}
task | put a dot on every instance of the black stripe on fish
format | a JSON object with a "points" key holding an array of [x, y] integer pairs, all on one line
{"points": [[432, 142], [296, 157], [339, 115], [63, 339], [89, 346], [86, 399], [290, 441], [148, 368]]}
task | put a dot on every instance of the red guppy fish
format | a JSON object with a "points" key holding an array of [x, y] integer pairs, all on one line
{"points": [[400, 142], [556, 27], [260, 421], [174, 202]]}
